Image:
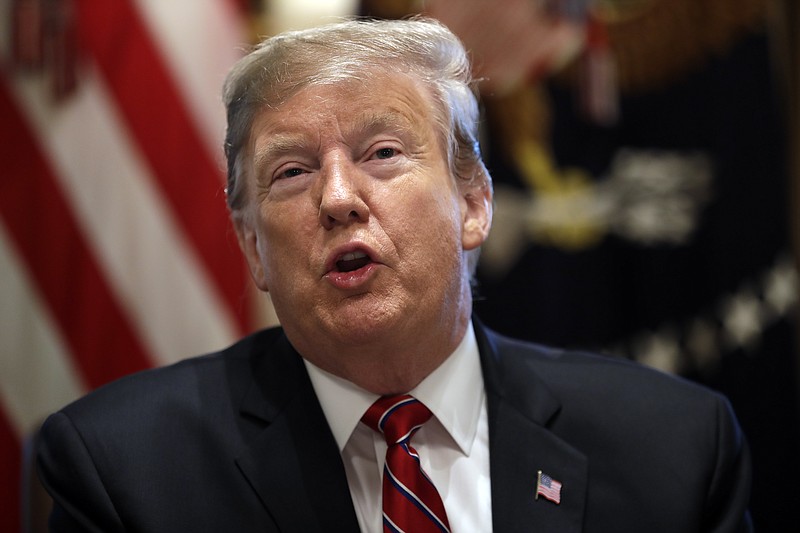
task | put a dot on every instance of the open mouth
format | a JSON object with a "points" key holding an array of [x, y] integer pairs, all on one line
{"points": [[352, 261]]}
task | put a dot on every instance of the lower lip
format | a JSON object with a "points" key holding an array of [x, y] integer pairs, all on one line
{"points": [[351, 280]]}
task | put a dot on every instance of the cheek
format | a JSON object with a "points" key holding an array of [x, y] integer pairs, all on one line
{"points": [[447, 211], [433, 223], [280, 243]]}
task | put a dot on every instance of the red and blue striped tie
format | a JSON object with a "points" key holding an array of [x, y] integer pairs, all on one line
{"points": [[411, 503]]}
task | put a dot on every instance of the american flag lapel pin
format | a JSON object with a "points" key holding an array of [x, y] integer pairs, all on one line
{"points": [[548, 488]]}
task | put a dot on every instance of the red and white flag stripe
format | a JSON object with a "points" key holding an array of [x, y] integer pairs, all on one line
{"points": [[115, 249]]}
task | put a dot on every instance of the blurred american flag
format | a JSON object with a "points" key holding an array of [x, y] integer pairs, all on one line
{"points": [[115, 250]]}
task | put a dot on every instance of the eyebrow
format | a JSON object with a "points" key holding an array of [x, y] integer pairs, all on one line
{"points": [[375, 122], [278, 145], [369, 123]]}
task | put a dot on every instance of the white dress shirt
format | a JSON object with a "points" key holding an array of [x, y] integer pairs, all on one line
{"points": [[453, 445]]}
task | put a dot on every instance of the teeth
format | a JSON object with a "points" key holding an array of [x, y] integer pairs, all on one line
{"points": [[353, 255]]}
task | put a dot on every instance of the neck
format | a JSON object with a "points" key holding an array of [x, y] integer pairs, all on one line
{"points": [[392, 366]]}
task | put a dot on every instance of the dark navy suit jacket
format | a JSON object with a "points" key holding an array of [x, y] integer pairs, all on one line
{"points": [[237, 441]]}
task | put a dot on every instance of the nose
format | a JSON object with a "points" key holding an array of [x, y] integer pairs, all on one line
{"points": [[341, 199]]}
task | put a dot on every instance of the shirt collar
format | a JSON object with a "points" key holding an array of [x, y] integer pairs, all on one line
{"points": [[453, 392]]}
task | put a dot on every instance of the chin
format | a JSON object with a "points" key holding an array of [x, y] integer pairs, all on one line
{"points": [[365, 320]]}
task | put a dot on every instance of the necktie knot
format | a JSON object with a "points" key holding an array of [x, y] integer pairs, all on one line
{"points": [[397, 417]]}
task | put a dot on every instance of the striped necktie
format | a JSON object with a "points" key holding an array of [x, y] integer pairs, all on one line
{"points": [[411, 503]]}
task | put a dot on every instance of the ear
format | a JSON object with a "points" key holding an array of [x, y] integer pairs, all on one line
{"points": [[249, 242], [476, 212]]}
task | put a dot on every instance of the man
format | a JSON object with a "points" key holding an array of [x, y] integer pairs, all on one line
{"points": [[360, 202]]}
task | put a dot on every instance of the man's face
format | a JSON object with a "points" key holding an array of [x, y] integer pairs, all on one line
{"points": [[354, 223]]}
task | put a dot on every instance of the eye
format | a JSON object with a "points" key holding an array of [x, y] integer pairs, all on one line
{"points": [[289, 173], [385, 153]]}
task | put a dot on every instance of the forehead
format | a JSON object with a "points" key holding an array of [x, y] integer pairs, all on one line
{"points": [[389, 101]]}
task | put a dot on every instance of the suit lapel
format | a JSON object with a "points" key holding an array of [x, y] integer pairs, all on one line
{"points": [[521, 409], [293, 462]]}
